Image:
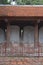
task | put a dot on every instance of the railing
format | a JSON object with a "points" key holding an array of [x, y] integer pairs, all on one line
{"points": [[24, 50], [14, 54]]}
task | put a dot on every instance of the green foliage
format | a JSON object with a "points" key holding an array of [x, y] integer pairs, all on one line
{"points": [[29, 2], [4, 2], [24, 2]]}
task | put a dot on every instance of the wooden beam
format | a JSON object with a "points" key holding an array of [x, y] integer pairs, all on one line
{"points": [[8, 32], [36, 35]]}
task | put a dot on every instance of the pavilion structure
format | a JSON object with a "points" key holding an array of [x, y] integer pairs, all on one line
{"points": [[21, 31]]}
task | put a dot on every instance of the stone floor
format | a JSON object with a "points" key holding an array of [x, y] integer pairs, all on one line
{"points": [[21, 61]]}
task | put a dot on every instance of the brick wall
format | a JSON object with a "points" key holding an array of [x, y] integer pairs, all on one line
{"points": [[21, 61]]}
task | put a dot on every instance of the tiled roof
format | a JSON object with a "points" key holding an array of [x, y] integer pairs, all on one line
{"points": [[21, 11]]}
